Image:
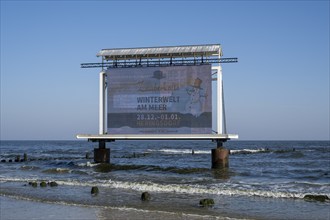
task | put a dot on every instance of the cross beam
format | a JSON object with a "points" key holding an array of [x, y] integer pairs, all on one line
{"points": [[159, 62]]}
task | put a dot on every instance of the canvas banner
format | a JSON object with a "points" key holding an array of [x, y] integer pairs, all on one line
{"points": [[159, 100]]}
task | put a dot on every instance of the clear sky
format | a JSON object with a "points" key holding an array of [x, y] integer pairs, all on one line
{"points": [[279, 89]]}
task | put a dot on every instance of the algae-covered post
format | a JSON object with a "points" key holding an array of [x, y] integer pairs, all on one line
{"points": [[102, 154], [220, 156], [25, 158]]}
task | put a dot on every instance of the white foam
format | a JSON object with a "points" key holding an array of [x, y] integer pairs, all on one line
{"points": [[189, 151], [62, 170], [251, 151], [87, 164], [13, 179], [229, 189], [181, 151]]}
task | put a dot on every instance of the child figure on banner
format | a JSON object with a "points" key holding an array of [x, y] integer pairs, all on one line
{"points": [[197, 98]]}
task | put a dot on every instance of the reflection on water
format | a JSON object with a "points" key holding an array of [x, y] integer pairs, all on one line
{"points": [[222, 173]]}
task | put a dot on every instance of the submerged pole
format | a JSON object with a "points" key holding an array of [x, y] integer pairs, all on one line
{"points": [[102, 154], [220, 156]]}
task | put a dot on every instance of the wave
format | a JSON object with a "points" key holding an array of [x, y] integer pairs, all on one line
{"points": [[193, 151], [250, 151], [229, 189], [105, 168], [57, 170], [29, 168], [180, 151], [64, 171], [223, 190], [87, 164], [239, 151]]}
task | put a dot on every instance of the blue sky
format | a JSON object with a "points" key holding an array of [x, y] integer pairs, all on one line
{"points": [[279, 89]]}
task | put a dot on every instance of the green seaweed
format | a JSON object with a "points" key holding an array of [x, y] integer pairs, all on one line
{"points": [[53, 184], [206, 202], [94, 190], [145, 196], [316, 198]]}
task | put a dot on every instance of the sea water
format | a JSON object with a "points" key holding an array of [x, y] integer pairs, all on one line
{"points": [[265, 179]]}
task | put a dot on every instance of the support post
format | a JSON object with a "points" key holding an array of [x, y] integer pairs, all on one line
{"points": [[102, 86], [219, 101], [220, 156], [102, 154]]}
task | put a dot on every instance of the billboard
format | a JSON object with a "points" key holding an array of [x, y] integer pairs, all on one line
{"points": [[159, 100]]}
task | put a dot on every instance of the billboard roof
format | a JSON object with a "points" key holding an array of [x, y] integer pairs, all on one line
{"points": [[161, 52]]}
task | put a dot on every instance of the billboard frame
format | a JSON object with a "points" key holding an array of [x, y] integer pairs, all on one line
{"points": [[161, 56]]}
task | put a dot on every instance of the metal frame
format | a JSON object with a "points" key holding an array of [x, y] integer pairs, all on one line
{"points": [[159, 62], [113, 137]]}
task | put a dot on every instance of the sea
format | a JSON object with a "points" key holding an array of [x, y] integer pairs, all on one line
{"points": [[264, 180]]}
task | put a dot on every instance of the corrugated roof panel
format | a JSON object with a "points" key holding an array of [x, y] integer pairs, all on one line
{"points": [[173, 51]]}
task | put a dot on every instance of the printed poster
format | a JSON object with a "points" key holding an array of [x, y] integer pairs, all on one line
{"points": [[159, 100]]}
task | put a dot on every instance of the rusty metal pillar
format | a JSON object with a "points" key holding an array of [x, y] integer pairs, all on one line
{"points": [[102, 154], [220, 156]]}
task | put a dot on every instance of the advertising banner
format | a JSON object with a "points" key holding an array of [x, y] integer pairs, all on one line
{"points": [[160, 100]]}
